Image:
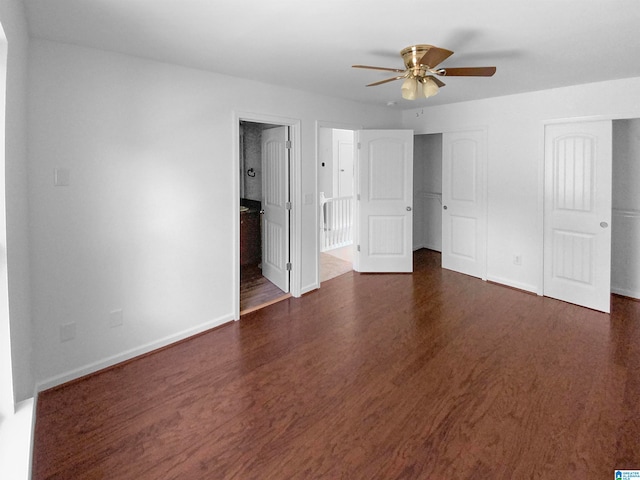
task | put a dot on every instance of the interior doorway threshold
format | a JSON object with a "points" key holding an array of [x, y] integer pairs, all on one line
{"points": [[265, 304]]}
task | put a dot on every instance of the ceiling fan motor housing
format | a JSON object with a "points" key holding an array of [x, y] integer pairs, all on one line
{"points": [[412, 56]]}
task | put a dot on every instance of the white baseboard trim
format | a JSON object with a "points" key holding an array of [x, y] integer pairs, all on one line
{"points": [[510, 283], [436, 248], [625, 292], [129, 354], [427, 246]]}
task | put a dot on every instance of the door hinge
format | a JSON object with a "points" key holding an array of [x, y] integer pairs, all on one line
{"points": [[358, 248], [288, 266], [287, 144], [359, 145], [358, 197], [287, 205]]}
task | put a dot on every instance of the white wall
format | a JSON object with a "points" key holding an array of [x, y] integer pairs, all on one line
{"points": [[343, 156], [515, 126], [330, 143], [625, 234], [146, 223], [252, 145], [15, 195]]}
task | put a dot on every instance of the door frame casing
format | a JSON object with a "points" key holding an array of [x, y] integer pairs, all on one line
{"points": [[295, 182]]}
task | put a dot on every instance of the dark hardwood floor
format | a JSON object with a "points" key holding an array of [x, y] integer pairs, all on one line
{"points": [[434, 375], [255, 290]]}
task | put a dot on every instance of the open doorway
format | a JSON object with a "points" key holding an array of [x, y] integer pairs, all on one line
{"points": [[450, 198], [264, 187], [625, 219], [427, 192], [336, 190]]}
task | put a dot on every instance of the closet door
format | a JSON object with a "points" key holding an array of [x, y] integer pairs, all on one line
{"points": [[577, 213], [463, 202]]}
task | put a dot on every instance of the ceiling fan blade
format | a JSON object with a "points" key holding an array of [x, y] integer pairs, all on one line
{"points": [[437, 81], [385, 81], [435, 56], [467, 72], [379, 68]]}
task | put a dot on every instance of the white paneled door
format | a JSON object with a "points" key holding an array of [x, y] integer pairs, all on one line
{"points": [[577, 213], [275, 200], [385, 201], [463, 202]]}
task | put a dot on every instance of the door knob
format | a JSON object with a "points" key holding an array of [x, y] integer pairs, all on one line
{"points": [[604, 224], [261, 212], [444, 208], [408, 209]]}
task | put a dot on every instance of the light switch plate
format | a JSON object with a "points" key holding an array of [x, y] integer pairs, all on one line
{"points": [[61, 177], [115, 318], [67, 331]]}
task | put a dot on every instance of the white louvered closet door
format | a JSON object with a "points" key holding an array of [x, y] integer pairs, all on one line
{"points": [[577, 213]]}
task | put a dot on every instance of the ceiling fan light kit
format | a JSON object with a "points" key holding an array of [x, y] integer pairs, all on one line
{"points": [[413, 88], [420, 63], [429, 87], [409, 89]]}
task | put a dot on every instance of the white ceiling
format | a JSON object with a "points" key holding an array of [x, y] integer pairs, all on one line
{"points": [[311, 45]]}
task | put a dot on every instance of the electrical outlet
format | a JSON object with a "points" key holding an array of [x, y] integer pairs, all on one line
{"points": [[67, 331], [115, 318], [517, 259]]}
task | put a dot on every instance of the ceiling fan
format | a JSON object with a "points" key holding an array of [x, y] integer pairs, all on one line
{"points": [[420, 67]]}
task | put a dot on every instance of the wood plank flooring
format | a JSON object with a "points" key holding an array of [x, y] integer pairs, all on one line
{"points": [[256, 290], [332, 267], [434, 375]]}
